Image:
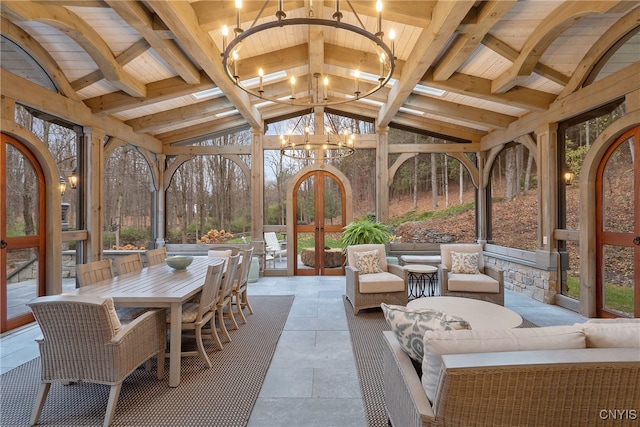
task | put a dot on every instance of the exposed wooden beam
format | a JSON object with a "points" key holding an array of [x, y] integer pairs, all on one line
{"points": [[158, 121], [159, 91], [472, 115], [447, 16], [486, 16], [477, 87], [139, 18], [36, 52], [566, 15], [70, 24], [183, 22], [439, 127]]}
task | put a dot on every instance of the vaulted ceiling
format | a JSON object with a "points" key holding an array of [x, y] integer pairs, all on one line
{"points": [[464, 68]]}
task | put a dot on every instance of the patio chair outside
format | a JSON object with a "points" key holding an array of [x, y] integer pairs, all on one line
{"points": [[273, 246]]}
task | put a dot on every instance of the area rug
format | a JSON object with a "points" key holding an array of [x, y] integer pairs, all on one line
{"points": [[366, 339], [223, 395]]}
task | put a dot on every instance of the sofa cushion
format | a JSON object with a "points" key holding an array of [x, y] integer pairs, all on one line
{"points": [[380, 282], [409, 326], [613, 334], [464, 262], [472, 283], [368, 262], [437, 343]]}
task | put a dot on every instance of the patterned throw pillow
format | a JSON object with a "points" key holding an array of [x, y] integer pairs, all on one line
{"points": [[368, 262], [464, 263], [410, 325]]}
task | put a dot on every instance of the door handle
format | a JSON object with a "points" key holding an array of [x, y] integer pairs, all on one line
{"points": [[3, 244], [636, 240]]}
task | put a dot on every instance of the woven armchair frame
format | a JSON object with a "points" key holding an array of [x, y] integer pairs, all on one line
{"points": [[80, 344]]}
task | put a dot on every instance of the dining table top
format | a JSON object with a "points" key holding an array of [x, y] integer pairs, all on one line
{"points": [[153, 286]]}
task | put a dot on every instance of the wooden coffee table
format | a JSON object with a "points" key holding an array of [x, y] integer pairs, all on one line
{"points": [[479, 314]]}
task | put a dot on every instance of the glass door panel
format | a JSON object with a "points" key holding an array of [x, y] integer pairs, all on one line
{"points": [[21, 232], [618, 218]]}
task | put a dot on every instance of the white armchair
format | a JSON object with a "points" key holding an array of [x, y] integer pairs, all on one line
{"points": [[368, 289], [462, 279]]}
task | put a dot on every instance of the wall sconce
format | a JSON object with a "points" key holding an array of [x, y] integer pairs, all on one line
{"points": [[568, 177], [73, 179], [62, 186]]}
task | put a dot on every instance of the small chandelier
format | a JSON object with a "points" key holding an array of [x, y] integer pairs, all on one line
{"points": [[316, 147], [314, 89]]}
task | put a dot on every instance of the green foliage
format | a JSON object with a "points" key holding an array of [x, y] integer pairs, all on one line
{"points": [[240, 224], [575, 157], [364, 231], [134, 236]]}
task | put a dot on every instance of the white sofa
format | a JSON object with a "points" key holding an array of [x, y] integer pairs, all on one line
{"points": [[523, 377]]}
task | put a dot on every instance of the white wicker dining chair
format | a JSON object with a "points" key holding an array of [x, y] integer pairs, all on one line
{"points": [[83, 340]]}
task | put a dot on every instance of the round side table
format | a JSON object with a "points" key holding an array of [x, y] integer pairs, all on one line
{"points": [[422, 278]]}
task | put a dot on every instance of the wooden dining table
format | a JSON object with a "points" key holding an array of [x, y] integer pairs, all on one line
{"points": [[158, 286]]}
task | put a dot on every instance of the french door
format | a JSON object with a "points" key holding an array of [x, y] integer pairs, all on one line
{"points": [[618, 229], [319, 211], [22, 233]]}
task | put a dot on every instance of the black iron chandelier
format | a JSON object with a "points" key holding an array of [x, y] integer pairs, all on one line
{"points": [[315, 89]]}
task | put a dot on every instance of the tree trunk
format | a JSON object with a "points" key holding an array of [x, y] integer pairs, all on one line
{"points": [[434, 182], [461, 184], [415, 183], [445, 178], [527, 176], [511, 177]]}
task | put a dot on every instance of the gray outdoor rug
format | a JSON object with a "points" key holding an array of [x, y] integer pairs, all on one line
{"points": [[366, 338], [221, 396]]}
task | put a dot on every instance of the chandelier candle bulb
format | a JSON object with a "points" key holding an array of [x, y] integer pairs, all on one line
{"points": [[326, 85], [293, 87], [379, 10], [235, 66], [261, 75], [392, 37], [356, 75], [225, 33]]}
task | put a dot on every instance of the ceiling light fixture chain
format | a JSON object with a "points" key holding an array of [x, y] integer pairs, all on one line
{"points": [[321, 91]]}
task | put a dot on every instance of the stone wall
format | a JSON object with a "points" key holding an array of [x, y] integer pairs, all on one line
{"points": [[523, 274]]}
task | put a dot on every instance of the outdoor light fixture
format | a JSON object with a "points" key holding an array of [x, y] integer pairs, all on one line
{"points": [[62, 186], [316, 147], [73, 179], [568, 177], [315, 89]]}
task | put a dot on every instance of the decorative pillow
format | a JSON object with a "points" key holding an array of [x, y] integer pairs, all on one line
{"points": [[464, 262], [410, 325], [368, 262], [220, 254]]}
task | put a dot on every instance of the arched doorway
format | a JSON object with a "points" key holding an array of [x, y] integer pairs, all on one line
{"points": [[22, 232], [618, 228], [319, 212]]}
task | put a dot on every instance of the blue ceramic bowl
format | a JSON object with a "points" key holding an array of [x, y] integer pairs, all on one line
{"points": [[179, 262]]}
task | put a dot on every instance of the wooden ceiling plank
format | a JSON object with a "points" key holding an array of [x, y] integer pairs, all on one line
{"points": [[139, 18], [159, 91], [414, 13], [563, 17], [487, 15], [213, 14], [446, 18], [435, 126], [70, 24], [181, 19], [202, 129]]}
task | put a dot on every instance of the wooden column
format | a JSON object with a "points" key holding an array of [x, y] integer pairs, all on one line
{"points": [[159, 197], [482, 201], [548, 186], [257, 185], [382, 175], [93, 191]]}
